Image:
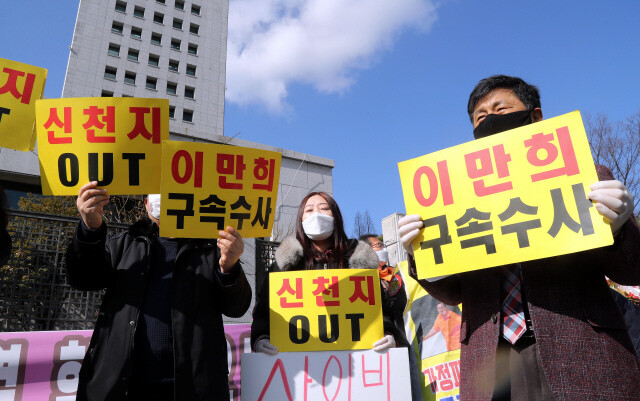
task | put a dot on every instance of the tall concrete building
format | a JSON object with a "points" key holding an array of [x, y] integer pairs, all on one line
{"points": [[174, 49]]}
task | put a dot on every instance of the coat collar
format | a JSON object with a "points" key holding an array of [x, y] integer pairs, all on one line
{"points": [[289, 255]]}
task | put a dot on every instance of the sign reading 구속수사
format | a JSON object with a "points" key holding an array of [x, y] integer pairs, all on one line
{"points": [[515, 196], [114, 141], [322, 310], [207, 187], [20, 86]]}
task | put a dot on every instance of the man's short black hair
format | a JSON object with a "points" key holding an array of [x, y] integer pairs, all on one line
{"points": [[528, 94], [365, 237]]}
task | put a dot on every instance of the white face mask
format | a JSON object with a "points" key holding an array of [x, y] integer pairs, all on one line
{"points": [[383, 255], [154, 205], [318, 226]]}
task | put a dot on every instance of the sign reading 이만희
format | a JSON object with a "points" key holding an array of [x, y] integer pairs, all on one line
{"points": [[515, 196], [20, 86], [115, 141], [207, 187], [325, 310]]}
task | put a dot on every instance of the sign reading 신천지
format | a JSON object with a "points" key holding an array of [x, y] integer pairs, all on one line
{"points": [[115, 141], [515, 196], [20, 86], [325, 310], [207, 187]]}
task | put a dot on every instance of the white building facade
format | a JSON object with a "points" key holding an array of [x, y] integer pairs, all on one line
{"points": [[176, 49]]}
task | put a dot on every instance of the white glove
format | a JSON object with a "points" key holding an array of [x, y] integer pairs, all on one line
{"points": [[614, 202], [263, 345], [384, 343], [408, 228]]}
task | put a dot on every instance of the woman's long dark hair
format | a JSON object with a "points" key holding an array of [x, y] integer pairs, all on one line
{"points": [[339, 246]]}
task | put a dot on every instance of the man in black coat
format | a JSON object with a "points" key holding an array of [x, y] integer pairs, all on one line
{"points": [[159, 333]]}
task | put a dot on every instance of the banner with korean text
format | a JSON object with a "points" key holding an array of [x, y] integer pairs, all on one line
{"points": [[44, 365], [206, 187], [433, 330], [114, 141], [515, 196], [329, 375], [322, 310], [20, 86]]}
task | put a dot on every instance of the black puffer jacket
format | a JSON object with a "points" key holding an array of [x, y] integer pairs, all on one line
{"points": [[359, 255], [119, 264]]}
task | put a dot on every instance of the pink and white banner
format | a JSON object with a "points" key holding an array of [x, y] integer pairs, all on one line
{"points": [[44, 365]]}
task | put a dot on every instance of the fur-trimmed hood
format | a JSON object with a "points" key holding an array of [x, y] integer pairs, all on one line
{"points": [[289, 255]]}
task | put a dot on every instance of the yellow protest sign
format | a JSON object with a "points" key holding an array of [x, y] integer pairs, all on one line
{"points": [[206, 187], [325, 310], [20, 86], [515, 196], [115, 141], [435, 345]]}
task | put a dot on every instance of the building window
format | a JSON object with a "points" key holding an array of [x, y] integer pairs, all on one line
{"points": [[193, 28], [130, 77], [154, 60], [110, 73], [179, 5], [177, 23], [172, 112], [173, 65], [195, 10], [189, 92], [191, 70], [133, 55], [106, 94], [172, 88], [138, 12], [187, 115], [114, 50], [160, 1], [151, 83], [158, 18], [156, 39], [193, 49], [175, 44], [121, 6], [136, 33], [117, 27]]}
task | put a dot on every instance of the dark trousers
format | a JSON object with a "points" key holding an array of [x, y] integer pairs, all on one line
{"points": [[519, 374]]}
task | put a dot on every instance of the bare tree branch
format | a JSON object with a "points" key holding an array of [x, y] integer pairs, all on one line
{"points": [[617, 146]]}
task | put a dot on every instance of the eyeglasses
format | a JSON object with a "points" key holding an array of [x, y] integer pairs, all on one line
{"points": [[380, 245]]}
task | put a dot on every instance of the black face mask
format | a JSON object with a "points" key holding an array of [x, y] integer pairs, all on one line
{"points": [[496, 123]]}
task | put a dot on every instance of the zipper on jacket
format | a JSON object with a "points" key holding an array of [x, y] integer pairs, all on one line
{"points": [[182, 249], [137, 315]]}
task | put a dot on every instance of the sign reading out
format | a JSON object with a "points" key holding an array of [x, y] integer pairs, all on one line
{"points": [[321, 310], [515, 196], [207, 187], [114, 141], [20, 86]]}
